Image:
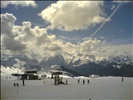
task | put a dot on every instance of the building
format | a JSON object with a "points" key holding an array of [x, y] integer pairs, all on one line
{"points": [[30, 74]]}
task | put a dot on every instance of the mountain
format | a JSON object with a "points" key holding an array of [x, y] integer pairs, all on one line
{"points": [[24, 61], [54, 60], [75, 73], [117, 66], [20, 61], [86, 65]]}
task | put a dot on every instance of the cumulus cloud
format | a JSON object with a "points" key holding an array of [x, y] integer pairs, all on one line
{"points": [[37, 43], [30, 41], [73, 15], [7, 35], [11, 44], [7, 23], [5, 4]]}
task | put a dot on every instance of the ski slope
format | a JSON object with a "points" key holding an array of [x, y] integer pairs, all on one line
{"points": [[102, 88]]}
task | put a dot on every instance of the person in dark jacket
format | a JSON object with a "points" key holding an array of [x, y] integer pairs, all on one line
{"points": [[78, 80], [88, 82], [14, 84], [122, 79], [83, 82], [23, 82], [17, 84]]}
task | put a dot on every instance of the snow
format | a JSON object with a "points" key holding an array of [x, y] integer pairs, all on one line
{"points": [[65, 76], [82, 77], [101, 88], [7, 71]]}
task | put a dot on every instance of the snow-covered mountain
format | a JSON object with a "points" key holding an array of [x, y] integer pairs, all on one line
{"points": [[83, 64], [58, 59], [20, 61], [117, 66], [54, 60]]}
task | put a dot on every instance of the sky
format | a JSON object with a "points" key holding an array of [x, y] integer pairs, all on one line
{"points": [[40, 29]]}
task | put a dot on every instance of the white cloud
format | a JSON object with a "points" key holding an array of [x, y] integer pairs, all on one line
{"points": [[26, 39], [19, 63], [74, 15], [11, 44], [37, 43], [24, 3], [7, 23], [7, 35], [117, 50]]}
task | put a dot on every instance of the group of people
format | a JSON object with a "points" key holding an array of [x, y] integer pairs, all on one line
{"points": [[84, 81], [17, 85]]}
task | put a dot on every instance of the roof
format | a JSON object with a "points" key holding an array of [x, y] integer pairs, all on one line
{"points": [[58, 71], [15, 74], [35, 69]]}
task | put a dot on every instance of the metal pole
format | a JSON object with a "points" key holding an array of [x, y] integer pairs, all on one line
{"points": [[17, 90]]}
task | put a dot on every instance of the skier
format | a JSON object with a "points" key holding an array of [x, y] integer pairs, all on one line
{"points": [[78, 80], [17, 84], [14, 84], [88, 82], [66, 82], [23, 82], [122, 79], [83, 82]]}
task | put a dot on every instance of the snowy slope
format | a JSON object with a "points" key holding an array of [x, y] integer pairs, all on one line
{"points": [[104, 88]]}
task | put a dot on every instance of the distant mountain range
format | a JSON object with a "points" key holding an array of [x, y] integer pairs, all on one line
{"points": [[117, 66]]}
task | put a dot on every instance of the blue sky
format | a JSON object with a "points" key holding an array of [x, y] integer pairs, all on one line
{"points": [[116, 31]]}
